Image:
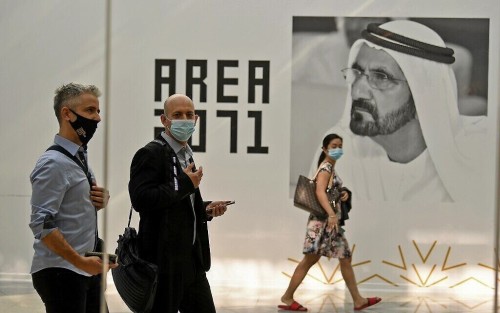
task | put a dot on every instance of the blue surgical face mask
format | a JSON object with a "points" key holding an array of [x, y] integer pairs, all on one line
{"points": [[335, 153], [182, 129]]}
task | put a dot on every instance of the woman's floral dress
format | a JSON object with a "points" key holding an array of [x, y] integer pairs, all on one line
{"points": [[320, 241]]}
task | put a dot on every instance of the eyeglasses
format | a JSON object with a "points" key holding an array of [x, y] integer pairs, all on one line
{"points": [[376, 80]]}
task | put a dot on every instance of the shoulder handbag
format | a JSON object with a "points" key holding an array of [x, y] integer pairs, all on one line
{"points": [[305, 196], [135, 279]]}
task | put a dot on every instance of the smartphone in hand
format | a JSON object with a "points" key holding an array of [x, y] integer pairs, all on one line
{"points": [[209, 210]]}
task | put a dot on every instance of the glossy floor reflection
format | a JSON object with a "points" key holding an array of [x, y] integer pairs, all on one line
{"points": [[20, 297]]}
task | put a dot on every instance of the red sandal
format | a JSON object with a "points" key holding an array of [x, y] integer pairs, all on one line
{"points": [[371, 301], [295, 306]]}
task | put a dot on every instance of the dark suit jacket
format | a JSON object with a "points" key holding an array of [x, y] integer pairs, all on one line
{"points": [[159, 191]]}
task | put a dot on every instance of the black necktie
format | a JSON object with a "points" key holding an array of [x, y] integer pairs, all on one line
{"points": [[83, 160], [81, 157]]}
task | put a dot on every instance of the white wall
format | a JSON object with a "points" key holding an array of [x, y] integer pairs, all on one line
{"points": [[46, 44]]}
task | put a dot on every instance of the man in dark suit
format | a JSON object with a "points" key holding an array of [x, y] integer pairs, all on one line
{"points": [[173, 231]]}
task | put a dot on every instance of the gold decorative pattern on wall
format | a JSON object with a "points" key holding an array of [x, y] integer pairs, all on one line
{"points": [[327, 279], [424, 259], [429, 279], [471, 279], [423, 283], [403, 267], [433, 277], [427, 268], [330, 279], [379, 277], [492, 267], [471, 307], [445, 267]]}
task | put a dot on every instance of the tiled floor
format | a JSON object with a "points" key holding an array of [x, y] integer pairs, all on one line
{"points": [[19, 297]]}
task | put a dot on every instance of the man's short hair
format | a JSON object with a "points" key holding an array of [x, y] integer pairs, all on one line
{"points": [[67, 93]]}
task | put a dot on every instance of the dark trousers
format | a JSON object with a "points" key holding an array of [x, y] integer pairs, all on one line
{"points": [[184, 287], [64, 291]]}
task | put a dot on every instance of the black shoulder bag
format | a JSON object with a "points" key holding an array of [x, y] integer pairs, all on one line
{"points": [[135, 279]]}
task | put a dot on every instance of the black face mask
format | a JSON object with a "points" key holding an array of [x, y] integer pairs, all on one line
{"points": [[84, 127]]}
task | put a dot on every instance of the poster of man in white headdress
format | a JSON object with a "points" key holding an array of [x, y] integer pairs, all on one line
{"points": [[409, 97]]}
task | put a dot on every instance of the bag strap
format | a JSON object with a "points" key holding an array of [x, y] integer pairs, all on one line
{"points": [[89, 179], [330, 183], [75, 159], [161, 142], [157, 141], [317, 172], [130, 216]]}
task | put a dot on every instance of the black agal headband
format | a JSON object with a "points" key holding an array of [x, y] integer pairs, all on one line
{"points": [[407, 45]]}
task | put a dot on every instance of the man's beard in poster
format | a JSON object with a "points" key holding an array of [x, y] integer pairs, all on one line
{"points": [[384, 125]]}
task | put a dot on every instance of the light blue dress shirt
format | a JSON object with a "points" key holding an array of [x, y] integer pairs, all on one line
{"points": [[61, 200]]}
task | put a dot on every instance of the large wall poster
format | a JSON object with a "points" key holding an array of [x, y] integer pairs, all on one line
{"points": [[421, 200]]}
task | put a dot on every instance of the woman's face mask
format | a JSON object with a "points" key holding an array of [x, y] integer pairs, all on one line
{"points": [[335, 153]]}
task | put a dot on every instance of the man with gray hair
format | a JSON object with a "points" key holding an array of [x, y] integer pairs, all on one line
{"points": [[404, 137], [64, 204]]}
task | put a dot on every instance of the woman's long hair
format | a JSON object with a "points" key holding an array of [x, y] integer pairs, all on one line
{"points": [[328, 138]]}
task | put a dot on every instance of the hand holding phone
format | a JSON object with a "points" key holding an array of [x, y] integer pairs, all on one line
{"points": [[226, 203], [112, 258]]}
